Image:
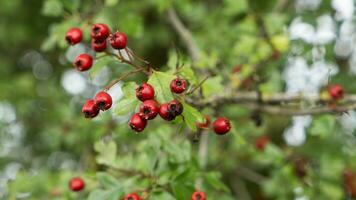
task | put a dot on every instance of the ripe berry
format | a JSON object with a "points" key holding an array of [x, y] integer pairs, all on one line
{"points": [[145, 92], [204, 124], [98, 45], [100, 32], [237, 69], [76, 184], [83, 62], [178, 85], [103, 100], [74, 36], [118, 40], [132, 196], [261, 142], [176, 107], [90, 109], [336, 92], [137, 122], [221, 126], [166, 113], [149, 109], [198, 195]]}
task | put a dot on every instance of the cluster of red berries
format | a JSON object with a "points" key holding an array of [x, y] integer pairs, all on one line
{"points": [[77, 184], [149, 108], [102, 101], [100, 34]]}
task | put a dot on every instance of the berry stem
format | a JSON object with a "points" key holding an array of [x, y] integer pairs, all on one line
{"points": [[113, 82], [198, 86]]}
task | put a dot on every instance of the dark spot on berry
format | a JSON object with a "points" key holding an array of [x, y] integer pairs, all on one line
{"points": [[78, 63], [96, 30], [146, 111], [101, 105], [178, 83]]}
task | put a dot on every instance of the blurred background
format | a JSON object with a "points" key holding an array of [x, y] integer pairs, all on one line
{"points": [[45, 140]]}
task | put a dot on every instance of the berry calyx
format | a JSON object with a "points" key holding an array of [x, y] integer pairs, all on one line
{"points": [[90, 109], [145, 92], [100, 32], [336, 92], [74, 36], [98, 45], [176, 107], [178, 85], [137, 122], [132, 196], [221, 126], [205, 124], [83, 62], [166, 113], [76, 184], [149, 109], [261, 142], [198, 195], [103, 100], [118, 40]]}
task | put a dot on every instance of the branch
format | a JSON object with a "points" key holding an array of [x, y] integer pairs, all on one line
{"points": [[280, 103], [184, 34]]}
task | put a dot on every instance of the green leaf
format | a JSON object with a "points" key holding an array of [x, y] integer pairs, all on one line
{"points": [[188, 73], [106, 151], [161, 81], [129, 101], [212, 86], [107, 181], [191, 116], [112, 194], [99, 65], [111, 2], [161, 195], [52, 8], [323, 126], [213, 179]]}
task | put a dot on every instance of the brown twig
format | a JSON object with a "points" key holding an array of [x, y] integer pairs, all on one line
{"points": [[113, 82], [198, 86]]}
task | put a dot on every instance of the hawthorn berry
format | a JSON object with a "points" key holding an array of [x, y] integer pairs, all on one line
{"points": [[145, 92], [237, 69], [178, 85], [74, 36], [100, 32], [118, 40], [83, 62], [103, 100], [98, 45], [76, 184], [205, 124], [149, 109], [137, 122], [261, 142], [198, 195], [166, 113], [336, 92], [221, 126], [90, 109], [132, 196], [176, 107]]}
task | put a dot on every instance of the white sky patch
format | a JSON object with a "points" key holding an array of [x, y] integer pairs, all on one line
{"points": [[73, 82], [344, 9]]}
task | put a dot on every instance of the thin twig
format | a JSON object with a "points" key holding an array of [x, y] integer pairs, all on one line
{"points": [[198, 86], [113, 82]]}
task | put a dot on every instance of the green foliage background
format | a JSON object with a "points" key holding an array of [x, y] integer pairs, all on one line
{"points": [[58, 143]]}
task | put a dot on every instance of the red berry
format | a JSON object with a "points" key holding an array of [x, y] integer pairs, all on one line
{"points": [[221, 126], [132, 196], [103, 100], [198, 195], [149, 109], [178, 85], [83, 62], [98, 45], [137, 122], [100, 32], [237, 69], [204, 124], [74, 36], [118, 40], [90, 109], [176, 107], [166, 113], [336, 92], [261, 142], [76, 184], [145, 92]]}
